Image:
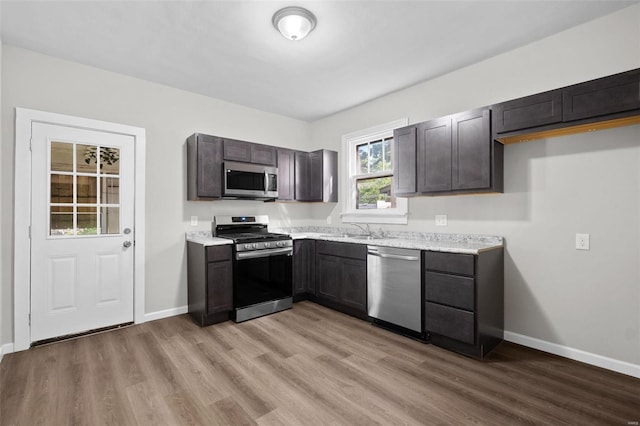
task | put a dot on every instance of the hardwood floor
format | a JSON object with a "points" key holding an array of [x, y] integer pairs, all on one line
{"points": [[308, 365]]}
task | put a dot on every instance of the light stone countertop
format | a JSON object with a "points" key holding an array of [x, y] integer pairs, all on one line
{"points": [[462, 247], [451, 243], [206, 239]]}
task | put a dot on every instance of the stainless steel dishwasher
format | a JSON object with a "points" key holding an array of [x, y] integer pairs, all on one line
{"points": [[393, 286]]}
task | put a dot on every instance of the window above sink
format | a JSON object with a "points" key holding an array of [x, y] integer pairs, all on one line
{"points": [[367, 195]]}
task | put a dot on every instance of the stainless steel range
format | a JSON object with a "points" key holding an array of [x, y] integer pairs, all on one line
{"points": [[262, 265]]}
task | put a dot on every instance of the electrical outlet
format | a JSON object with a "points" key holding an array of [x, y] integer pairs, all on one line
{"points": [[194, 220], [328, 220], [441, 220], [582, 241]]}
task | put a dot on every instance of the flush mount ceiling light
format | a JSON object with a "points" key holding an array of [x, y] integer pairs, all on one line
{"points": [[294, 22]]}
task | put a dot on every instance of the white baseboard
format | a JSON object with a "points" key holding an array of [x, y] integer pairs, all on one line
{"points": [[575, 354], [7, 348], [152, 316]]}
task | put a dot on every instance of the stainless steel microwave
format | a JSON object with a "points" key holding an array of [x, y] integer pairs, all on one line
{"points": [[250, 181]]}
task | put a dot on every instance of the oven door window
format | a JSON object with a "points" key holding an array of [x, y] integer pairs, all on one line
{"points": [[245, 180], [262, 279]]}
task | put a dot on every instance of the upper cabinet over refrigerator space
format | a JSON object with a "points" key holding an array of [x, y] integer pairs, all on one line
{"points": [[603, 103]]}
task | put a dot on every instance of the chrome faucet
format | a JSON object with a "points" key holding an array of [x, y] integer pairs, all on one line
{"points": [[366, 231]]}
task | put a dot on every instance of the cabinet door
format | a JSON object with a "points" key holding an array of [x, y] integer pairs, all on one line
{"points": [[404, 160], [608, 95], [286, 176], [263, 154], [434, 155], [303, 266], [315, 176], [204, 167], [329, 176], [471, 166], [353, 283], [219, 287], [302, 176], [531, 111], [235, 150], [328, 277]]}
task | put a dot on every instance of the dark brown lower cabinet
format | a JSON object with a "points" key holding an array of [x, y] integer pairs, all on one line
{"points": [[464, 300], [341, 277], [304, 262], [210, 283]]}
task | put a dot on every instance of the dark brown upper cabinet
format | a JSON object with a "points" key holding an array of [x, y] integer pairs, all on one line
{"points": [[286, 174], [434, 156], [404, 148], [530, 111], [204, 167], [603, 103], [302, 176], [248, 152], [472, 145], [608, 95], [448, 155], [316, 176]]}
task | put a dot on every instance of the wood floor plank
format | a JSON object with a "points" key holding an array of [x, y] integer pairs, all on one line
{"points": [[305, 366]]}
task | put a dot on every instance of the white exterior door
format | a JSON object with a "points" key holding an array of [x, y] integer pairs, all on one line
{"points": [[82, 217]]}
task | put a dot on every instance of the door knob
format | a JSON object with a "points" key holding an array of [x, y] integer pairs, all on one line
{"points": [[127, 244]]}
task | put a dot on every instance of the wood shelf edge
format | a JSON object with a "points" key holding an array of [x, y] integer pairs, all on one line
{"points": [[581, 128]]}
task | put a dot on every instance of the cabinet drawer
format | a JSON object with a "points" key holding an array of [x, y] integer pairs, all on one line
{"points": [[218, 253], [452, 290], [531, 111], [450, 322], [353, 251], [449, 262]]}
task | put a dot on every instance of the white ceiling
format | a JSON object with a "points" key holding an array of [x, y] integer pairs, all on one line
{"points": [[229, 50]]}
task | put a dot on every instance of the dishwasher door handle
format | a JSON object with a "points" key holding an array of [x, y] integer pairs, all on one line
{"points": [[394, 256]]}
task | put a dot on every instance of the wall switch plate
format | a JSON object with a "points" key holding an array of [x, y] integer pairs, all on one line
{"points": [[441, 220], [194, 220], [582, 241]]}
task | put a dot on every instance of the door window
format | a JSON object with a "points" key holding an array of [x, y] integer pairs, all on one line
{"points": [[84, 190]]}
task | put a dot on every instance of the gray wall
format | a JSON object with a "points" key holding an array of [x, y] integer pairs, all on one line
{"points": [[555, 188], [35, 81]]}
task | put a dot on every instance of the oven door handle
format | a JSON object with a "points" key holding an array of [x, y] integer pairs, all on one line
{"points": [[264, 253]]}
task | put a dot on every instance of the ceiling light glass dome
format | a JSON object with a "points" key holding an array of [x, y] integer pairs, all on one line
{"points": [[294, 23]]}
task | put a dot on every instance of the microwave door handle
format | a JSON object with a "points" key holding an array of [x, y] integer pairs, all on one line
{"points": [[266, 182]]}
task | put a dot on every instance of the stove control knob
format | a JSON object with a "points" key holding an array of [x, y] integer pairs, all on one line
{"points": [[255, 246], [267, 245], [247, 246], [280, 243]]}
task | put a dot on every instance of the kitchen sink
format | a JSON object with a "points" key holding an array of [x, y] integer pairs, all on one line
{"points": [[365, 237], [352, 236]]}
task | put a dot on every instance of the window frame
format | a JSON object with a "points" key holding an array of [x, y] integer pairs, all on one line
{"points": [[348, 194]]}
